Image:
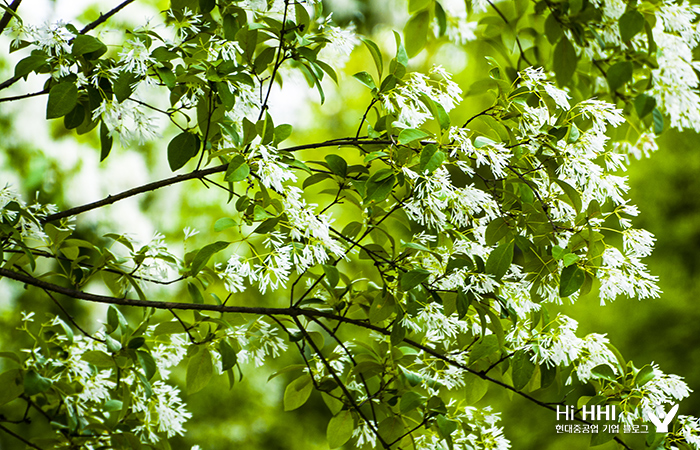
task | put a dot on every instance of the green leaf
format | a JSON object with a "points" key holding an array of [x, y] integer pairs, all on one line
{"points": [[417, 5], [416, 32], [12, 386], [496, 230], [619, 74], [430, 159], [237, 170], [124, 86], [30, 64], [195, 293], [485, 346], [148, 364], [631, 23], [332, 274], [35, 383], [106, 142], [203, 255], [366, 79], [475, 389], [604, 371], [113, 345], [62, 99], [381, 308], [378, 190], [89, 46], [564, 61], [571, 193], [282, 132], [410, 401], [644, 104], [569, 259], [571, 280], [391, 428], [199, 371], [181, 149], [500, 259], [412, 278], [224, 223], [98, 358], [340, 429], [552, 29], [644, 375], [401, 56], [409, 135], [297, 392], [205, 6], [376, 55], [658, 120], [337, 165], [523, 369], [229, 357]]}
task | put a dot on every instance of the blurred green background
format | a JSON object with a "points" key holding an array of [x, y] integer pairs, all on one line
{"points": [[64, 169]]}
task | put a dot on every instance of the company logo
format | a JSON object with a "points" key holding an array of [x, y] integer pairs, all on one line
{"points": [[662, 420], [607, 416]]}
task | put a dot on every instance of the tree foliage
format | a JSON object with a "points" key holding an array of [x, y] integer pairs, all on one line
{"points": [[409, 265]]}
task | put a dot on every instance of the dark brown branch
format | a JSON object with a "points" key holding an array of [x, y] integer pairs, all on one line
{"points": [[197, 174], [8, 15], [103, 17], [23, 96]]}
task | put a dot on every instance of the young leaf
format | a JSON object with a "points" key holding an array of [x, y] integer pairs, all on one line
{"points": [[340, 429], [203, 255], [376, 55], [409, 135], [644, 375], [366, 79], [199, 371], [297, 392]]}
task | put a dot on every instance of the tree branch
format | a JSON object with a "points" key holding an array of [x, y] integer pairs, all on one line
{"points": [[18, 437], [197, 174], [8, 15], [293, 312], [92, 25]]}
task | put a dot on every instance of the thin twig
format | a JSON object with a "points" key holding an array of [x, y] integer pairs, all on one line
{"points": [[18, 437]]}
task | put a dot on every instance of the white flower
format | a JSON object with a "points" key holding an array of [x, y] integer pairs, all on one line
{"points": [[135, 57]]}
